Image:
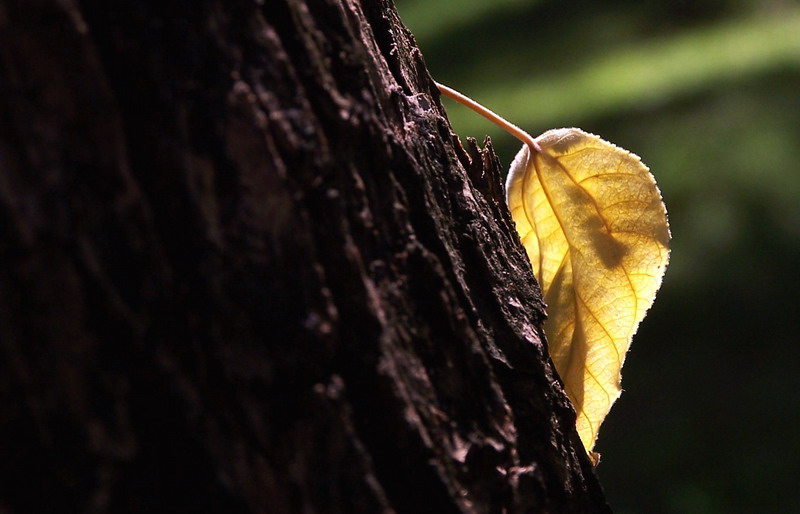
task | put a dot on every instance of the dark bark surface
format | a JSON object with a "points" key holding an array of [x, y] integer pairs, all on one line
{"points": [[246, 267]]}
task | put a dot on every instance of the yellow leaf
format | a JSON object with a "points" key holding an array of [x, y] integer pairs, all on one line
{"points": [[595, 228]]}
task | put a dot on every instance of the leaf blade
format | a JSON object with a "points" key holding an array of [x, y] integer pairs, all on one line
{"points": [[595, 228]]}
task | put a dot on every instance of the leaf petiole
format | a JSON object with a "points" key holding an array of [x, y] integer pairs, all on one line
{"points": [[491, 116]]}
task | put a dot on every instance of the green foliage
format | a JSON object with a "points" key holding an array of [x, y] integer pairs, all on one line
{"points": [[708, 93]]}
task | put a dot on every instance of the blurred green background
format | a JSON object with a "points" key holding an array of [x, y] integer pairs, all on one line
{"points": [[708, 94]]}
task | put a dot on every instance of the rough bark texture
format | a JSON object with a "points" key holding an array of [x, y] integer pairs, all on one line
{"points": [[246, 267]]}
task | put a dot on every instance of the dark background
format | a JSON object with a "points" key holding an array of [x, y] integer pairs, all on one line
{"points": [[708, 94]]}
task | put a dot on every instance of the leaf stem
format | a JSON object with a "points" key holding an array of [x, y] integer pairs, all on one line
{"points": [[491, 116]]}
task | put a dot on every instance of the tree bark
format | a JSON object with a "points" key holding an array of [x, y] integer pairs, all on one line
{"points": [[247, 267]]}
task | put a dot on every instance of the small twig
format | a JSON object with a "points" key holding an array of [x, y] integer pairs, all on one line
{"points": [[491, 116]]}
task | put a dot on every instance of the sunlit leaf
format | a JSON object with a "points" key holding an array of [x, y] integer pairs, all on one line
{"points": [[595, 229]]}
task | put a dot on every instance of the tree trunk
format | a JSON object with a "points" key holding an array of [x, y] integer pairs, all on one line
{"points": [[247, 267]]}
